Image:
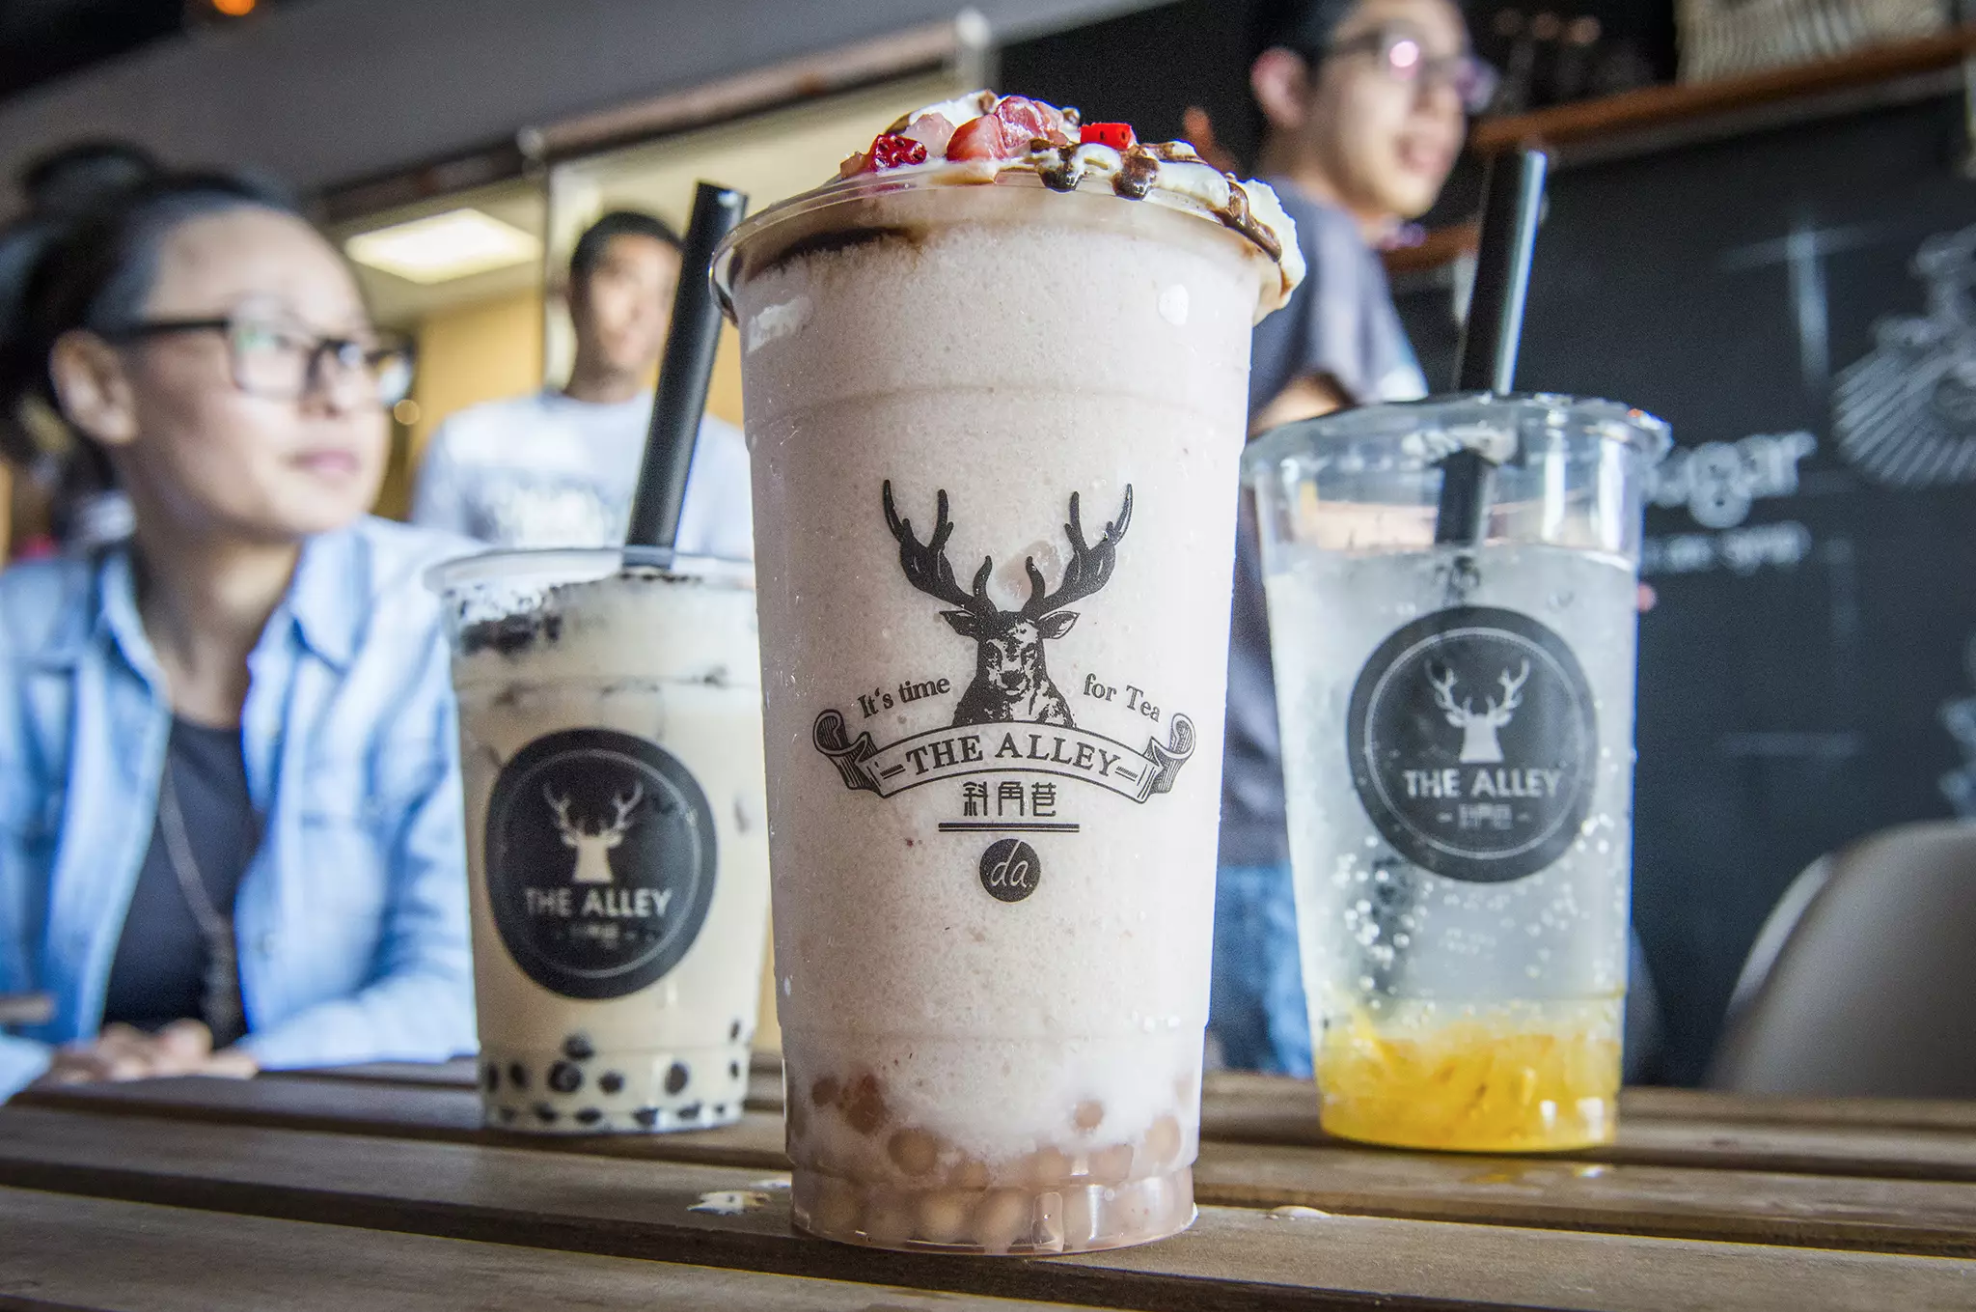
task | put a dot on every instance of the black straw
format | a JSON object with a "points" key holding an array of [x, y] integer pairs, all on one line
{"points": [[1486, 361], [684, 372]]}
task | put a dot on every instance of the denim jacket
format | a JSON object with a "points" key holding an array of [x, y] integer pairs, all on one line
{"points": [[351, 920]]}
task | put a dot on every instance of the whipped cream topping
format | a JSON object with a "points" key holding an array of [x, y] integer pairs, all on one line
{"points": [[977, 138]]}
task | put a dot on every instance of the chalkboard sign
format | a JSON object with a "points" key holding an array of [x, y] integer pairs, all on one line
{"points": [[1800, 304]]}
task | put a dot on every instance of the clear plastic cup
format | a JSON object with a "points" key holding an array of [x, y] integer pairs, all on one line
{"points": [[617, 836], [995, 431], [1457, 723]]}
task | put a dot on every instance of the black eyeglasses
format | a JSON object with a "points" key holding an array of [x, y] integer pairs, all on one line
{"points": [[283, 363], [1402, 58]]}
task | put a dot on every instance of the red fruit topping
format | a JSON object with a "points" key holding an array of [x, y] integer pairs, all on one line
{"points": [[1116, 135], [1029, 120], [931, 130], [984, 138], [891, 150]]}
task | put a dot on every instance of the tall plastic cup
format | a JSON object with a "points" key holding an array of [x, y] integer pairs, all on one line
{"points": [[610, 744], [995, 430], [1458, 754]]}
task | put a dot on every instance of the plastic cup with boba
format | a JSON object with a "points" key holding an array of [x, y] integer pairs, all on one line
{"points": [[610, 733], [1457, 722], [996, 408]]}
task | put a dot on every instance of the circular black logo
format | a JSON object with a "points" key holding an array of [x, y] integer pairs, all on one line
{"points": [[1010, 870], [1474, 743], [600, 861]]}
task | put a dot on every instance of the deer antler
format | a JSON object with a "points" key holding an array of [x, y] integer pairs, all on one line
{"points": [[926, 564], [624, 806], [1444, 697], [560, 805], [1512, 695], [1089, 568]]}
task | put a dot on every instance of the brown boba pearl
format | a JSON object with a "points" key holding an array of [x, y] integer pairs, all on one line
{"points": [[943, 1215], [824, 1092], [864, 1105], [835, 1211], [971, 1174], [1002, 1219], [1111, 1165], [888, 1217], [1162, 1143], [1046, 1167], [914, 1151], [1089, 1115]]}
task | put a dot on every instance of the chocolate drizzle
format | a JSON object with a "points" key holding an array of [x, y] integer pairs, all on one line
{"points": [[1137, 172]]}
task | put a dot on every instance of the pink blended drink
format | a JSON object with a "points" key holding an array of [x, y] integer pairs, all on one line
{"points": [[996, 403]]}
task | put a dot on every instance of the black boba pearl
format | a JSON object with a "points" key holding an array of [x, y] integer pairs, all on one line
{"points": [[611, 1082], [690, 1112], [734, 1031], [577, 1048], [734, 1070], [589, 1116], [720, 1109], [518, 1075], [646, 1116], [546, 1114], [564, 1077], [491, 1077], [507, 1116], [676, 1077]]}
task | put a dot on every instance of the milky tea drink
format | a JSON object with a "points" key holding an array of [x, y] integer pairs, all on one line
{"points": [[610, 732], [996, 403]]}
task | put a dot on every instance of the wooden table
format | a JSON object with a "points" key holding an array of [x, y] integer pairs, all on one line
{"points": [[375, 1187]]}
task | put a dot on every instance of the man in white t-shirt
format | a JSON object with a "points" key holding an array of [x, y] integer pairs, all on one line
{"points": [[558, 468]]}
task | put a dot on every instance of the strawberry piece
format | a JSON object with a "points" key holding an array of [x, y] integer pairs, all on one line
{"points": [[932, 130], [1116, 135], [890, 150], [1029, 120], [983, 138]]}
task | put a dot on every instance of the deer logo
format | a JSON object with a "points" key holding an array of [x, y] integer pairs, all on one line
{"points": [[1478, 728], [593, 846], [1011, 683]]}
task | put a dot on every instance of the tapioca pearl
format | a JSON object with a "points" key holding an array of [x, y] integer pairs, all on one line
{"points": [[1081, 1212], [1090, 1114], [970, 1174], [610, 1082], [734, 1032], [690, 1112], [734, 1070], [577, 1047], [835, 1208], [518, 1075], [546, 1114], [565, 1077], [720, 1110], [490, 1077], [676, 1077], [824, 1092], [943, 1215], [1046, 1167], [913, 1151], [507, 1115], [646, 1116], [864, 1105], [1002, 1219], [1162, 1144], [1110, 1166], [889, 1218], [589, 1116]]}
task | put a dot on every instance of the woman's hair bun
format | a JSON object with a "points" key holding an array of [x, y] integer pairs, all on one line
{"points": [[84, 175]]}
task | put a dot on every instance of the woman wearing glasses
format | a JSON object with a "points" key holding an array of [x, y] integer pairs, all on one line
{"points": [[1365, 104], [229, 791]]}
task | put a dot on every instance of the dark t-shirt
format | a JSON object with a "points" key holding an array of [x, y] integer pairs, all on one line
{"points": [[161, 958], [1340, 322]]}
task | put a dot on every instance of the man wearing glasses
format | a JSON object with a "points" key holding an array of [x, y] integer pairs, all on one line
{"points": [[1365, 105]]}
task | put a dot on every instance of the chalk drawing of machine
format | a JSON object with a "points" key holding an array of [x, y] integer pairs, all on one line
{"points": [[1905, 413]]}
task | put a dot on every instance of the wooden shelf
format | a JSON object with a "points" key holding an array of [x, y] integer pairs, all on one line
{"points": [[1663, 106]]}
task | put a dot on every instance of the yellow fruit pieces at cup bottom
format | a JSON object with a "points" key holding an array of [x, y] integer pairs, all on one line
{"points": [[1471, 1085]]}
